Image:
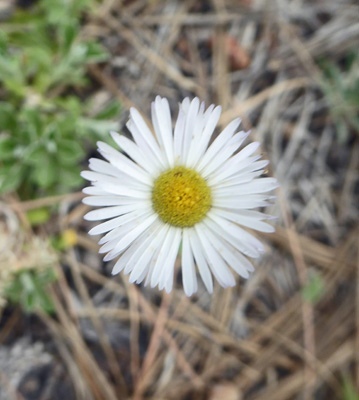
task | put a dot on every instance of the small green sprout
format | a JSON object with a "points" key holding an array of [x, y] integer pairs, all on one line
{"points": [[314, 288]]}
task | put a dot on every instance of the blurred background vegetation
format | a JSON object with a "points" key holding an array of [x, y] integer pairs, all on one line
{"points": [[69, 71], [47, 116]]}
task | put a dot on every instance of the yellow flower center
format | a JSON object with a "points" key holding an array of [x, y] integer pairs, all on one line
{"points": [[181, 197]]}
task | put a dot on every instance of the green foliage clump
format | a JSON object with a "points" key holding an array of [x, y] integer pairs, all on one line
{"points": [[27, 267], [28, 289], [341, 88], [44, 125]]}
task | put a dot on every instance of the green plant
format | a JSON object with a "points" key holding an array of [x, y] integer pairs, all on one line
{"points": [[314, 288], [349, 391], [27, 267], [341, 88], [28, 289], [45, 125]]}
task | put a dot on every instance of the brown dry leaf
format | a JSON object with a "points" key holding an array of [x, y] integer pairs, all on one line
{"points": [[238, 57]]}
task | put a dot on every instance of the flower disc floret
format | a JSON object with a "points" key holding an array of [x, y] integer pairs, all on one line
{"points": [[181, 197]]}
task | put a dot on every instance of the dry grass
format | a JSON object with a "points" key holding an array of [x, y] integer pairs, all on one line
{"points": [[260, 340]]}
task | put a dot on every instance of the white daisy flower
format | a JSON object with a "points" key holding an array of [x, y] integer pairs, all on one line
{"points": [[175, 188]]}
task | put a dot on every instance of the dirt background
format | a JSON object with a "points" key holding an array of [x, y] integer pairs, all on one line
{"points": [[265, 339]]}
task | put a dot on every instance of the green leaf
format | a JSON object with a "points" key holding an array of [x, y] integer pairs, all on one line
{"points": [[7, 117], [70, 151], [11, 70], [38, 59], [349, 391], [27, 282], [33, 122], [70, 178], [96, 53], [7, 148], [38, 216], [44, 174], [10, 178], [29, 290], [15, 87], [71, 104], [38, 155], [340, 85], [100, 128], [110, 111], [314, 289], [70, 32]]}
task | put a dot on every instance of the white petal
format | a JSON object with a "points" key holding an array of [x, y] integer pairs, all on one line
{"points": [[94, 191], [247, 151], [208, 114], [136, 153], [256, 186], [235, 179], [104, 167], [178, 136], [145, 271], [189, 278], [130, 237], [143, 134], [127, 255], [233, 257], [200, 260], [161, 119], [253, 214], [123, 163], [112, 238], [116, 222], [218, 267], [236, 232], [100, 179], [235, 241], [199, 124], [161, 265], [222, 156], [148, 242], [166, 280], [106, 200], [123, 190], [218, 143], [188, 131], [152, 265], [185, 104], [149, 249], [110, 212], [231, 168], [239, 203], [116, 234], [249, 222], [129, 258], [155, 155], [254, 165], [211, 119]]}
